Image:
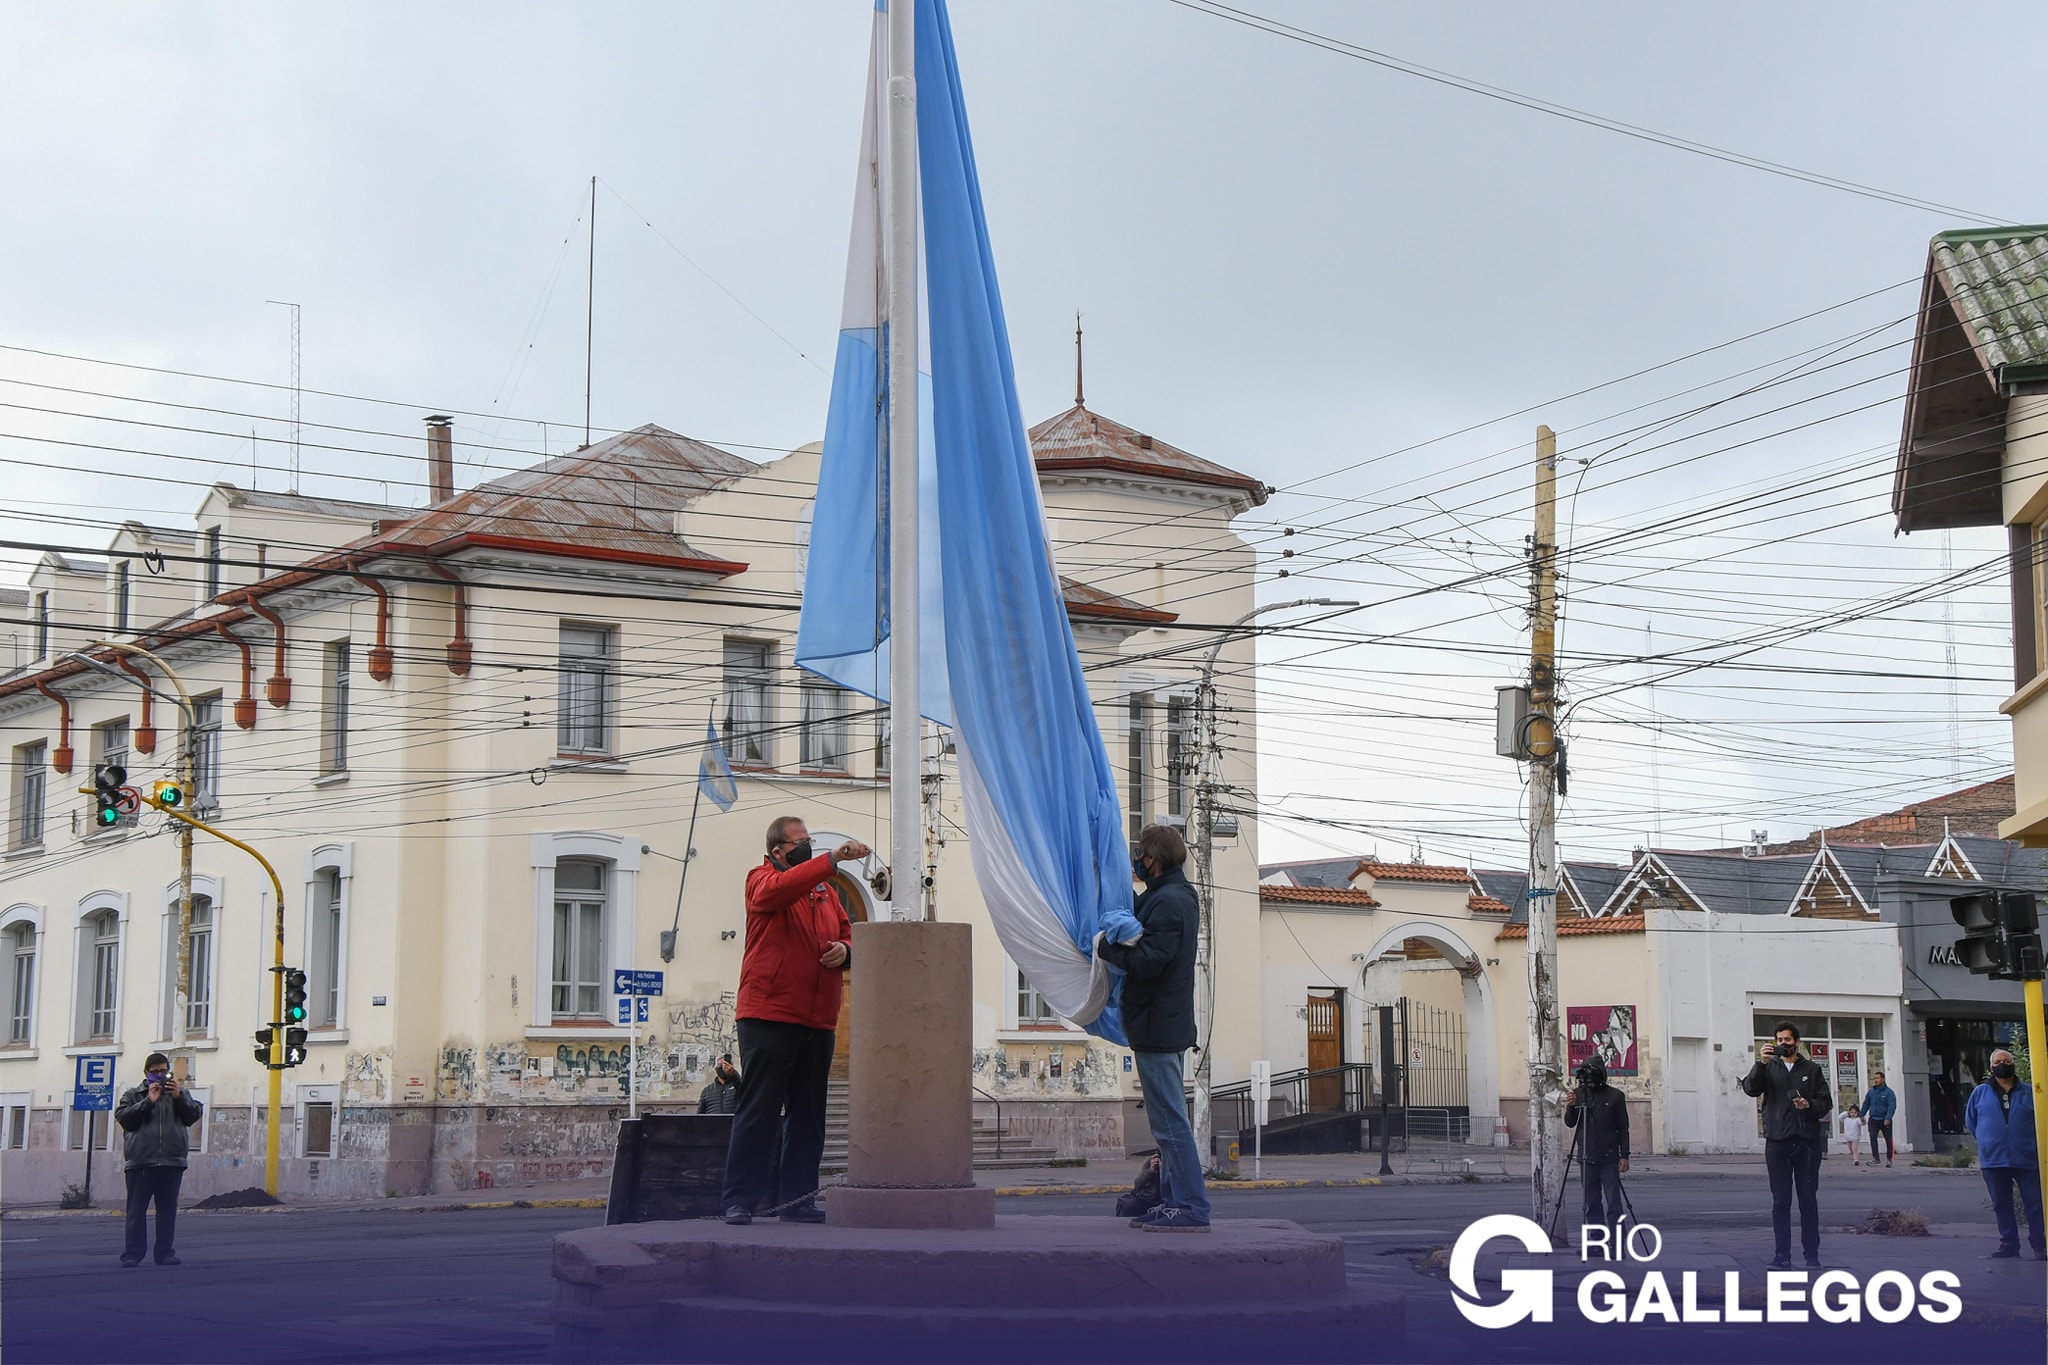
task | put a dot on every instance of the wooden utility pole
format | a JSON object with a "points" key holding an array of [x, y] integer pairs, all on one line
{"points": [[1546, 1066]]}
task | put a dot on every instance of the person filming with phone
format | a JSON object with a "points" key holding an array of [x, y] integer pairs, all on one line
{"points": [[157, 1118], [1797, 1101]]}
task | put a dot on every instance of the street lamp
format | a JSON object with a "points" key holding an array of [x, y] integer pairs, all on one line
{"points": [[1207, 758]]}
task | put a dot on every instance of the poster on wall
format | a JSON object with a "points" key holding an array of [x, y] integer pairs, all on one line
{"points": [[1604, 1031]]}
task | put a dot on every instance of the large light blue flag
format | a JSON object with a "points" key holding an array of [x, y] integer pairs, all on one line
{"points": [[1043, 819]]}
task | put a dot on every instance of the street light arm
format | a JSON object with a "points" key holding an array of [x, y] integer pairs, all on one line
{"points": [[182, 700], [1223, 637]]}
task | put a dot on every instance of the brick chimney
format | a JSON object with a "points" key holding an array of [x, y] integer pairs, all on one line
{"points": [[440, 459]]}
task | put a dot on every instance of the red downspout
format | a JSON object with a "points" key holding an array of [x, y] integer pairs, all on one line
{"points": [[278, 690], [61, 759], [245, 705], [380, 653], [460, 651], [145, 733]]}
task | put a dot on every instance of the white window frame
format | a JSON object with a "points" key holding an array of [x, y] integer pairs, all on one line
{"points": [[19, 835], [209, 887], [339, 859], [202, 1131], [1017, 1029], [91, 907], [205, 744], [75, 1142], [42, 615], [825, 739], [572, 739], [337, 677], [212, 583], [11, 1103], [621, 909], [306, 1096], [10, 918], [753, 747]]}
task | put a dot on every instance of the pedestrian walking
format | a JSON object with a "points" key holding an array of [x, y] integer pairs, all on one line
{"points": [[1880, 1104], [799, 946], [1600, 1112], [156, 1119], [1852, 1134], [1159, 1021], [2000, 1116], [1796, 1107], [722, 1096]]}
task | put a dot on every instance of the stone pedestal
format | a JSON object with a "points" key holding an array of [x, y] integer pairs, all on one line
{"points": [[910, 1110]]}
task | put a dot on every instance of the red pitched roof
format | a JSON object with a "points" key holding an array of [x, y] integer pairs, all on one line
{"points": [[1078, 439], [1411, 872], [1318, 895], [1577, 928], [1485, 905], [1097, 605]]}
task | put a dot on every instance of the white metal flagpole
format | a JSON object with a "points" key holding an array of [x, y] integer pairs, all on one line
{"points": [[906, 824]]}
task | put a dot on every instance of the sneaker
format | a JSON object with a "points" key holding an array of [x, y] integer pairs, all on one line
{"points": [[1176, 1220], [2006, 1253], [1148, 1216], [803, 1213], [739, 1217], [131, 1261], [1813, 1263], [168, 1260], [1781, 1263]]}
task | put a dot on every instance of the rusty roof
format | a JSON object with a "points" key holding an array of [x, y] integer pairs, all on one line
{"points": [[1318, 895], [1096, 604], [1078, 439], [1411, 872], [1580, 928], [615, 499]]}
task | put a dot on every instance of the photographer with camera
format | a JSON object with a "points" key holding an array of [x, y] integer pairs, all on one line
{"points": [[156, 1118], [1797, 1100], [1600, 1112]]}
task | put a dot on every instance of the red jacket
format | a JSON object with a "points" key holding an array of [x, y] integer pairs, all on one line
{"points": [[793, 916]]}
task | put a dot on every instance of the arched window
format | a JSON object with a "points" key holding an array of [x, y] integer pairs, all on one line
{"points": [[100, 991], [21, 976]]}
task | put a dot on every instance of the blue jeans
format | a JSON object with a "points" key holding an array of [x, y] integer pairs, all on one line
{"points": [[1166, 1105], [2000, 1181]]}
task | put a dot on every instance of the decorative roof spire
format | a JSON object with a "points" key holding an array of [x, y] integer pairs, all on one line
{"points": [[1079, 400]]}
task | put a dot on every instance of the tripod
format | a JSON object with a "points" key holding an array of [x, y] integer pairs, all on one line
{"points": [[1571, 1154]]}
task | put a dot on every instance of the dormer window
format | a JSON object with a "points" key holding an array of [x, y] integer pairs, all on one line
{"points": [[121, 597]]}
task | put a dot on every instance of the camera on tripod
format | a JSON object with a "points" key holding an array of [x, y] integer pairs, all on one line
{"points": [[1584, 1072]]}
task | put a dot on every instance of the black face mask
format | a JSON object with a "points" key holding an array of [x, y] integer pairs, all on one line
{"points": [[798, 853], [1788, 1049], [1138, 869], [2005, 1071]]}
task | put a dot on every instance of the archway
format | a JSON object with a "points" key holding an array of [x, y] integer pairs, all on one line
{"points": [[1482, 1028]]}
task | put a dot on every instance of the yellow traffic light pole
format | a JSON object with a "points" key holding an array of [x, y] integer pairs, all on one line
{"points": [[2037, 1056]]}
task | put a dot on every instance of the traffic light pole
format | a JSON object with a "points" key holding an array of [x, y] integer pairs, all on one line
{"points": [[277, 971], [2037, 1055]]}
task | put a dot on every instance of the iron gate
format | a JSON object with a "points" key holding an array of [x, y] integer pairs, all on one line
{"points": [[1429, 1056]]}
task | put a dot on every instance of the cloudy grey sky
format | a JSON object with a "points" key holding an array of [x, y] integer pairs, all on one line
{"points": [[1291, 261]]}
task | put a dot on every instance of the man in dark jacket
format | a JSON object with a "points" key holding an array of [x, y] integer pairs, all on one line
{"points": [[1600, 1113], [1797, 1100], [1159, 1021], [156, 1118], [799, 944], [722, 1096]]}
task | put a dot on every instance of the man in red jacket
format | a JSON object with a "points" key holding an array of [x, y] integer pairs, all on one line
{"points": [[799, 945]]}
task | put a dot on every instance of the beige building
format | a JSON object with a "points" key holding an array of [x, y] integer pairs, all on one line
{"points": [[468, 736], [1974, 451]]}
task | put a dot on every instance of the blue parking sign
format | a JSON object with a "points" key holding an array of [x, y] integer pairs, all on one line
{"points": [[92, 1086]]}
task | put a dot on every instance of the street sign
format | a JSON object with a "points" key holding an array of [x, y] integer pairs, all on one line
{"points": [[625, 1003], [93, 1084], [626, 982], [642, 1009], [1262, 1090]]}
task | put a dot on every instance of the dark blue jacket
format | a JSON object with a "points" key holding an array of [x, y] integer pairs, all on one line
{"points": [[2002, 1139], [1159, 969], [1879, 1104]]}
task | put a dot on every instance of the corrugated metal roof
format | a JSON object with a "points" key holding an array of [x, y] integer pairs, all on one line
{"points": [[1078, 439], [1734, 885], [619, 495], [1323, 872], [1997, 279]]}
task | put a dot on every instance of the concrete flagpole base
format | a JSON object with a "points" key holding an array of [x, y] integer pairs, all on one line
{"points": [[910, 1111]]}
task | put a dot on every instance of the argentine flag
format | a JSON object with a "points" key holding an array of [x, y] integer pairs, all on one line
{"points": [[998, 663]]}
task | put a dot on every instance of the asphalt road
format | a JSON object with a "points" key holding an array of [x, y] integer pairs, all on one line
{"points": [[391, 1285]]}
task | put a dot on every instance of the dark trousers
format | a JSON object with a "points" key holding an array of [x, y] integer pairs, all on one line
{"points": [[1603, 1192], [783, 1074], [2001, 1181], [159, 1183], [1794, 1164], [1883, 1128]]}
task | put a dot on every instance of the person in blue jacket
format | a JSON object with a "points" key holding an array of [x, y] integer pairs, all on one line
{"points": [[1880, 1106], [2000, 1116]]}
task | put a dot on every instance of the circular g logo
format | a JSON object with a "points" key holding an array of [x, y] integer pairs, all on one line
{"points": [[1528, 1291]]}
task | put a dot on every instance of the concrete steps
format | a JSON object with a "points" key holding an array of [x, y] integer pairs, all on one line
{"points": [[989, 1154]]}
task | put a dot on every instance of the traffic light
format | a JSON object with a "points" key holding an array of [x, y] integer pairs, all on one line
{"points": [[294, 1046], [2001, 934], [294, 996], [107, 780], [168, 794], [263, 1037]]}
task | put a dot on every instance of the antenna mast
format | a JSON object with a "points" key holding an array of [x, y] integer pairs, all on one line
{"points": [[295, 388]]}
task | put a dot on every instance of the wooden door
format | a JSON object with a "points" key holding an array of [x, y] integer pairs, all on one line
{"points": [[842, 1037], [1325, 1052]]}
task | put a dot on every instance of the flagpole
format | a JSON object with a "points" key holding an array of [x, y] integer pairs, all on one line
{"points": [[907, 894], [668, 940]]}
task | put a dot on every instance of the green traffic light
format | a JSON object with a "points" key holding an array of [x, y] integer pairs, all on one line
{"points": [[295, 1013], [109, 816]]}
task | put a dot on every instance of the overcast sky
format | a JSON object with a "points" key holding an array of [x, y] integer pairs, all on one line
{"points": [[1290, 261]]}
